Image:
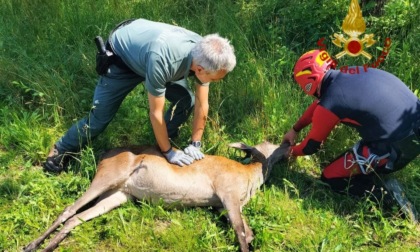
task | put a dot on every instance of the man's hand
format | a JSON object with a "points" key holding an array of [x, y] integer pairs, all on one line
{"points": [[178, 157], [290, 137], [194, 152], [289, 154]]}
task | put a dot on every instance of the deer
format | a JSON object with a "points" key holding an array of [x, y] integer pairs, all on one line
{"points": [[143, 173]]}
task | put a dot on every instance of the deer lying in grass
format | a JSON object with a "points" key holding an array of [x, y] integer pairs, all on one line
{"points": [[143, 173]]}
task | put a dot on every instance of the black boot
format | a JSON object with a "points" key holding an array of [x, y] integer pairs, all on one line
{"points": [[56, 161]]}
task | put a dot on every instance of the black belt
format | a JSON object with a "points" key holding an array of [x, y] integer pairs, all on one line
{"points": [[116, 60]]}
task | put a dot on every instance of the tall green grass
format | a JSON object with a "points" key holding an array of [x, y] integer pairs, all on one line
{"points": [[47, 81]]}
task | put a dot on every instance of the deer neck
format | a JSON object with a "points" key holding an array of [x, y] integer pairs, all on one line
{"points": [[261, 173], [266, 170]]}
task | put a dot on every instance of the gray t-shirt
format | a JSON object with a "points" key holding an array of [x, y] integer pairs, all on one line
{"points": [[159, 52]]}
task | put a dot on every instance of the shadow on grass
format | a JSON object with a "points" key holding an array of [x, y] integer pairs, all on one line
{"points": [[318, 195]]}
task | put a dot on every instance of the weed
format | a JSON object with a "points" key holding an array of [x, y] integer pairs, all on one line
{"points": [[47, 81]]}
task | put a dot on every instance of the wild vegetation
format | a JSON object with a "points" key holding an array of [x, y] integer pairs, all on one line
{"points": [[47, 57]]}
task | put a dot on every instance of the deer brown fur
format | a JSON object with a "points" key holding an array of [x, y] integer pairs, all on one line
{"points": [[143, 173]]}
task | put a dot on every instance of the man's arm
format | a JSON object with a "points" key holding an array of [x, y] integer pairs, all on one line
{"points": [[323, 122], [306, 117], [157, 105], [201, 110], [156, 110], [303, 121]]}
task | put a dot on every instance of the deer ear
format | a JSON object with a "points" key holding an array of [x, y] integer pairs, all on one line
{"points": [[241, 146]]}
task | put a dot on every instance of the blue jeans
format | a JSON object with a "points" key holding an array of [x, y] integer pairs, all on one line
{"points": [[110, 92]]}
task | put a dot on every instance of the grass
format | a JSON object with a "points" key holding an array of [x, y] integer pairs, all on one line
{"points": [[47, 55]]}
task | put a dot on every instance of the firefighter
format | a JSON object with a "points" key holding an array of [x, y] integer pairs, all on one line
{"points": [[379, 106]]}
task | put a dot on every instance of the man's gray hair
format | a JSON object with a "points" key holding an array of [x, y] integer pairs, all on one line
{"points": [[214, 53]]}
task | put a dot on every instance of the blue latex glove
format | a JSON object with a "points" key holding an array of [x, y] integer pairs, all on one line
{"points": [[194, 152], [178, 157]]}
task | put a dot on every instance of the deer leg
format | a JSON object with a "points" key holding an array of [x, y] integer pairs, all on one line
{"points": [[249, 234], [233, 208], [110, 201], [97, 188]]}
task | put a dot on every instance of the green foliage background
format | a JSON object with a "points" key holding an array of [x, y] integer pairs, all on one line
{"points": [[47, 81]]}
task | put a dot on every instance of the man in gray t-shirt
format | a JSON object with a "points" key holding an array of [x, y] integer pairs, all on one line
{"points": [[162, 56]]}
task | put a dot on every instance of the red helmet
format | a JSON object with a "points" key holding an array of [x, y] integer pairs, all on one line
{"points": [[311, 68]]}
